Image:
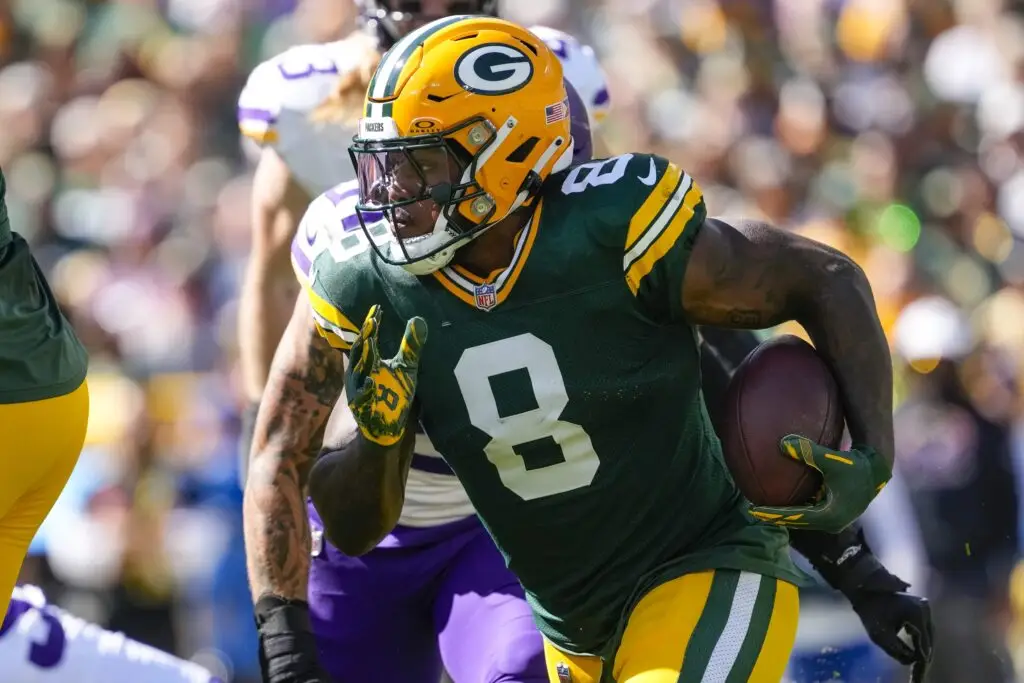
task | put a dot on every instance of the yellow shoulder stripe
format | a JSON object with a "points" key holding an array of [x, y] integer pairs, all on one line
{"points": [[646, 214], [663, 234], [337, 329], [262, 136]]}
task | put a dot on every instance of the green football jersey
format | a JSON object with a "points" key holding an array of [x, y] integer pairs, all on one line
{"points": [[40, 356], [565, 394]]}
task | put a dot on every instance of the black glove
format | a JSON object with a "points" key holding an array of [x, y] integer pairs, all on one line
{"points": [[288, 651], [896, 621]]}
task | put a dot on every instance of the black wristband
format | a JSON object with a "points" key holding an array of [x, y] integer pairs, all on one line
{"points": [[287, 647], [245, 438], [275, 614], [845, 561]]}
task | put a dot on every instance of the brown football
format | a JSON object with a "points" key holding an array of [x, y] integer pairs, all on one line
{"points": [[783, 387]]}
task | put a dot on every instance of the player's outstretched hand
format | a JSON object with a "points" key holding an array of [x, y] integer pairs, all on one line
{"points": [[851, 480], [380, 392]]}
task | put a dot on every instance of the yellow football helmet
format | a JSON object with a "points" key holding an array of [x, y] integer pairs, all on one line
{"points": [[486, 93]]}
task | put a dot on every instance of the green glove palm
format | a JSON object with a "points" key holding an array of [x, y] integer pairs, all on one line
{"points": [[851, 479], [380, 392]]}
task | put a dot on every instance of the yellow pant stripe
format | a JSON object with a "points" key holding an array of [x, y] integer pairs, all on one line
{"points": [[722, 626], [660, 629], [778, 642]]}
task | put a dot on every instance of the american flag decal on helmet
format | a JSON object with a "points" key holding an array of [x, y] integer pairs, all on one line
{"points": [[556, 112]]}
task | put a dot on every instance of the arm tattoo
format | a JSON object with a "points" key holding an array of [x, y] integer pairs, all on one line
{"points": [[750, 275], [306, 379]]}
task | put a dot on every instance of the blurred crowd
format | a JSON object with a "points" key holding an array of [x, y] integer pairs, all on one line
{"points": [[891, 129]]}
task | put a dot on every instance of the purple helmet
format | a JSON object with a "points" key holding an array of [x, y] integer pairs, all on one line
{"points": [[580, 119], [390, 20]]}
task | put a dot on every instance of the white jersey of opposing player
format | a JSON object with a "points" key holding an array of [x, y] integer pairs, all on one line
{"points": [[42, 644], [275, 108]]}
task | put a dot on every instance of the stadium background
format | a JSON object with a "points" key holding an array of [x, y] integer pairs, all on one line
{"points": [[892, 129]]}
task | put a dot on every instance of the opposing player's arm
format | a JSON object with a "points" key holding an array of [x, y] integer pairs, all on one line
{"points": [[278, 203], [750, 275], [304, 383], [269, 287]]}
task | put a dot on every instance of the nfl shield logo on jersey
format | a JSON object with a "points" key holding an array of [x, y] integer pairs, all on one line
{"points": [[564, 675], [486, 299]]}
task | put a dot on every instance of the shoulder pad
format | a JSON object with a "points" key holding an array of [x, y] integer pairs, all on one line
{"points": [[631, 198], [617, 182], [330, 254], [298, 80], [331, 224], [580, 67]]}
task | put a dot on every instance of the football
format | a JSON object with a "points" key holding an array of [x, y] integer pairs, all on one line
{"points": [[783, 387]]}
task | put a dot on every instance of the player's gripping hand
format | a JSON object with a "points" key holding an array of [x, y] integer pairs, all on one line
{"points": [[851, 480], [899, 623], [380, 392]]}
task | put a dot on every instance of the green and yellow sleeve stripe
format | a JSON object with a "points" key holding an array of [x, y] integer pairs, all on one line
{"points": [[332, 324], [659, 223]]}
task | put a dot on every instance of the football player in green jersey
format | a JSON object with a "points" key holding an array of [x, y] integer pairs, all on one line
{"points": [[44, 401], [549, 352]]}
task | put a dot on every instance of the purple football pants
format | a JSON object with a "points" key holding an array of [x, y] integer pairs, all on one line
{"points": [[423, 599]]}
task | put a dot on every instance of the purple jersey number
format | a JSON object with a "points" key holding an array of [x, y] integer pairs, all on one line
{"points": [[297, 70], [350, 222], [44, 655], [559, 47]]}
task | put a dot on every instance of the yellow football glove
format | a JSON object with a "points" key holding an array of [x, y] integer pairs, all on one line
{"points": [[380, 392]]}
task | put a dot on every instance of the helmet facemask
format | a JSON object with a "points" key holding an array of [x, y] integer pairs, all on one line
{"points": [[391, 20], [419, 184]]}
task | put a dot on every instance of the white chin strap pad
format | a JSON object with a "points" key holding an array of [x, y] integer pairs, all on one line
{"points": [[431, 263]]}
